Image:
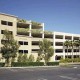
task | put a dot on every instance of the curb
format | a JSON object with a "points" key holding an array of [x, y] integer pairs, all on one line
{"points": [[29, 67]]}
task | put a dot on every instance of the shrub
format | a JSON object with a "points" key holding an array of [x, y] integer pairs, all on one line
{"points": [[22, 31], [20, 57], [2, 64], [24, 58], [52, 63], [36, 63], [39, 58], [63, 61], [31, 58], [66, 60], [76, 60], [18, 64], [70, 60]]}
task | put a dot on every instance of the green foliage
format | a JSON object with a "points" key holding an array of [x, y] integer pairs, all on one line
{"points": [[13, 59], [39, 58], [22, 31], [45, 50], [24, 58], [67, 44], [63, 61], [74, 44], [31, 58], [18, 64], [35, 23], [20, 57], [36, 31], [67, 60], [47, 32], [50, 54], [52, 63], [22, 20], [76, 60], [2, 64], [10, 47]]}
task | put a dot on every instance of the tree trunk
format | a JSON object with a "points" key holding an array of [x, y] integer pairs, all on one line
{"points": [[72, 54], [79, 51], [45, 60], [8, 62], [67, 52], [45, 63], [76, 52]]}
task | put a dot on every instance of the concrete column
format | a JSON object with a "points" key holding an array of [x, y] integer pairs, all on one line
{"points": [[30, 27], [63, 47], [79, 49], [53, 57], [72, 49], [54, 45], [43, 31]]}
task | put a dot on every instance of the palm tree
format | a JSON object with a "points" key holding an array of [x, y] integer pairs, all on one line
{"points": [[72, 45], [76, 44], [79, 47], [67, 45]]}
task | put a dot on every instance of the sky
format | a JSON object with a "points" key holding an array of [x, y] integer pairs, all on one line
{"points": [[57, 15]]}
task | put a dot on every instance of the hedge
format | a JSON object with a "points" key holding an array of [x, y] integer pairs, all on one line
{"points": [[52, 63], [67, 60], [2, 64], [18, 64]]}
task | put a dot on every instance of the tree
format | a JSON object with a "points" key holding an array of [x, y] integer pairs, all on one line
{"points": [[79, 47], [76, 44], [24, 58], [46, 51], [31, 58], [72, 45], [67, 45], [20, 57], [39, 58], [9, 48]]}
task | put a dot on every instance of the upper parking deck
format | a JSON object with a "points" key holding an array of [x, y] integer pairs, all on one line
{"points": [[26, 23]]}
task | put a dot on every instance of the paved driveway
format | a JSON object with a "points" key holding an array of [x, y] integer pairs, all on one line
{"points": [[51, 73]]}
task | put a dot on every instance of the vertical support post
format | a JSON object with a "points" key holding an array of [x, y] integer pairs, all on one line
{"points": [[43, 31], [64, 54], [30, 27], [72, 49], [54, 46]]}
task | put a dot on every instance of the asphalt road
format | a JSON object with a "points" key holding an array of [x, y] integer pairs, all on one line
{"points": [[46, 73]]}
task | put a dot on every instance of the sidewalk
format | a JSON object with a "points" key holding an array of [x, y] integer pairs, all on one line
{"points": [[31, 67]]}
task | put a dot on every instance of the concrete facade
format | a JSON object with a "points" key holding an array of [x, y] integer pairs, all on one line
{"points": [[29, 33]]}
